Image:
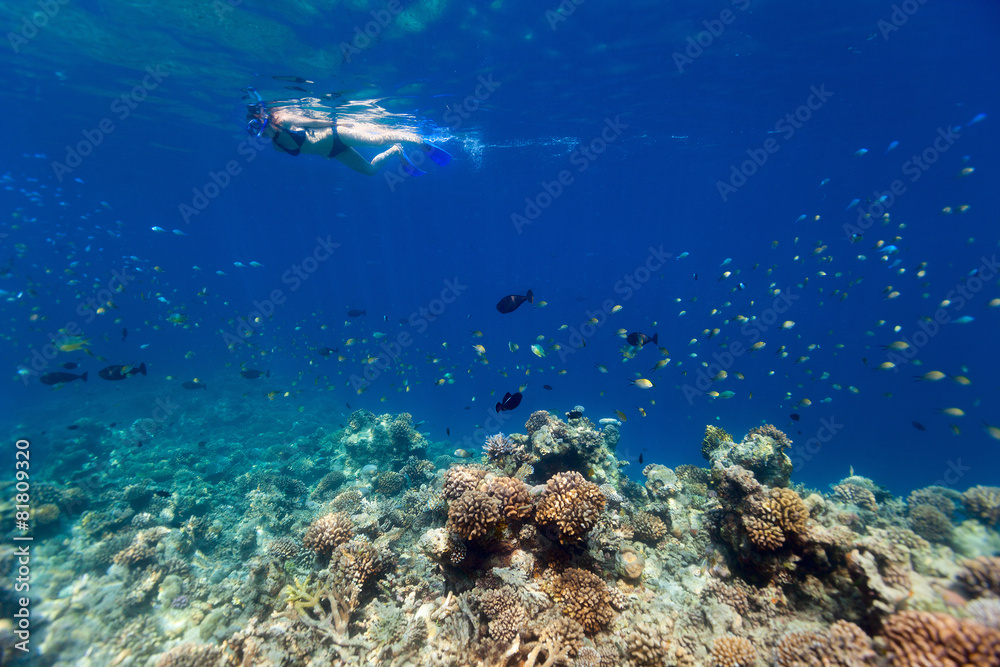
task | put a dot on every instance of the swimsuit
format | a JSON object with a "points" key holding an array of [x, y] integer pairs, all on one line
{"points": [[298, 137]]}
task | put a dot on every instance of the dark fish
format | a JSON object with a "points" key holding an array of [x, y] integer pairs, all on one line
{"points": [[120, 372], [290, 79], [509, 402], [640, 459], [61, 378], [72, 427], [511, 302], [547, 386], [354, 312], [298, 89], [162, 494], [447, 431], [202, 443], [253, 374], [574, 414], [794, 416], [112, 424], [70, 365], [638, 339], [124, 334], [326, 351], [919, 426], [348, 405], [191, 384], [696, 276]]}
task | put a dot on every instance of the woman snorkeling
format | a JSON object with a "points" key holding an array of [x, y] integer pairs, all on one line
{"points": [[294, 132]]}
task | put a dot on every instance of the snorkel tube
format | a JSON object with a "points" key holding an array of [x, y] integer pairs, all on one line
{"points": [[258, 109]]}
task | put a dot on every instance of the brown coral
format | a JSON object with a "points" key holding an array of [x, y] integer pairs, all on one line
{"points": [[507, 615], [192, 655], [983, 502], [733, 651], [474, 515], [934, 497], [536, 421], [648, 527], [856, 495], [646, 647], [772, 432], [781, 513], [328, 483], [346, 500], [923, 638], [460, 479], [844, 645], [388, 482], [930, 524], [570, 505], [586, 599], [358, 562], [515, 501], [981, 576], [328, 532]]}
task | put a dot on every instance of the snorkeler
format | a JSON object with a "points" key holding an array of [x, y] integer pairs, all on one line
{"points": [[296, 133]]}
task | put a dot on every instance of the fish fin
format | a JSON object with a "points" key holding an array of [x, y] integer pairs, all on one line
{"points": [[530, 296], [499, 407], [84, 376], [142, 368], [654, 338]]}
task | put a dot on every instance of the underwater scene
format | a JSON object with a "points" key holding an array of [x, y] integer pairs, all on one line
{"points": [[419, 333]]}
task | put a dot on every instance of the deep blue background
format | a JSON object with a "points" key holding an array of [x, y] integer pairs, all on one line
{"points": [[654, 186]]}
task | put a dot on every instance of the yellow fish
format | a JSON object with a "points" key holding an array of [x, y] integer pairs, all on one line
{"points": [[953, 412], [787, 324], [616, 308], [642, 383], [932, 376], [480, 350], [621, 415], [537, 350]]}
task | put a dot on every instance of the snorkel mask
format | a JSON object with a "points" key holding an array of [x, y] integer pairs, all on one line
{"points": [[258, 110]]}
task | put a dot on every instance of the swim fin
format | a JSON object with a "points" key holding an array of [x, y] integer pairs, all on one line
{"points": [[409, 168], [439, 155]]}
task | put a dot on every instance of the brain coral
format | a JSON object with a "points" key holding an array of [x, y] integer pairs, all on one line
{"points": [[733, 652], [474, 515], [923, 638], [983, 502], [845, 645], [981, 576], [585, 599], [570, 505], [460, 479], [327, 533]]}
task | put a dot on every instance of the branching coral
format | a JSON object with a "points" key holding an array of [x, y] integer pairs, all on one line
{"points": [[515, 502], [570, 506], [856, 495], [781, 513], [648, 527], [192, 655], [983, 502], [933, 496], [460, 479], [327, 533], [474, 515], [328, 484], [844, 645], [921, 639], [389, 482], [646, 647], [929, 523], [585, 598], [733, 652], [981, 576]]}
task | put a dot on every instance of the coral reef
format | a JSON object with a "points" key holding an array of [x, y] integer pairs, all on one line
{"points": [[733, 652], [328, 532], [843, 645], [569, 506], [585, 599], [981, 576], [919, 638], [762, 452], [983, 502]]}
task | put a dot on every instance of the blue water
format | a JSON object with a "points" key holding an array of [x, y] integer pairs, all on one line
{"points": [[652, 181]]}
